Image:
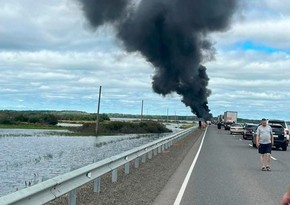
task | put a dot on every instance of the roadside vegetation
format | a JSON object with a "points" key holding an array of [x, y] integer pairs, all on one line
{"points": [[31, 126], [163, 118], [187, 125], [44, 119], [117, 127], [50, 119], [27, 118]]}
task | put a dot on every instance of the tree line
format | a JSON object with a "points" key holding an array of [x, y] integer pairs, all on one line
{"points": [[151, 117], [10, 117]]}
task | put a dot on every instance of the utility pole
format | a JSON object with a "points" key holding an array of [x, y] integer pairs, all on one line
{"points": [[142, 110], [175, 117], [98, 112], [167, 116]]}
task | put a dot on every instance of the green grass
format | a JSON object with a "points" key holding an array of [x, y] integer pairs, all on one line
{"points": [[186, 126], [32, 126]]}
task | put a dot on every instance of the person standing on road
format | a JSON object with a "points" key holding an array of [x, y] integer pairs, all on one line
{"points": [[286, 197], [219, 126], [264, 142]]}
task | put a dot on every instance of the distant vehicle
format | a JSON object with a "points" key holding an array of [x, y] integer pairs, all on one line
{"points": [[285, 126], [236, 128], [280, 139], [227, 125], [220, 118], [231, 116], [219, 125], [249, 131]]}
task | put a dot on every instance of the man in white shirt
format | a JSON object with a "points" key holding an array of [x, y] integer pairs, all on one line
{"points": [[264, 142]]}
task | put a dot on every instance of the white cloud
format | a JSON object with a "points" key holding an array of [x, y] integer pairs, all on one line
{"points": [[270, 32], [279, 6], [51, 59]]}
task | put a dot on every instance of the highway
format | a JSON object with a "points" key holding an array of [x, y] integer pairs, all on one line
{"points": [[227, 171]]}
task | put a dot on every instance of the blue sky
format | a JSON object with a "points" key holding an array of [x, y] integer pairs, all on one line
{"points": [[51, 60]]}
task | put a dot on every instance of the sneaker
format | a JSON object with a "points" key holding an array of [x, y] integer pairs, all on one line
{"points": [[268, 168], [263, 169]]}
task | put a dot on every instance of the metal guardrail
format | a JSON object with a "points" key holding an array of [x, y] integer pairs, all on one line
{"points": [[68, 183]]}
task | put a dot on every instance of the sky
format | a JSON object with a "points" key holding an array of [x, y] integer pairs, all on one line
{"points": [[51, 59]]}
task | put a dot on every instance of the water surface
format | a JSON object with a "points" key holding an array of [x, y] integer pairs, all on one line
{"points": [[30, 156]]}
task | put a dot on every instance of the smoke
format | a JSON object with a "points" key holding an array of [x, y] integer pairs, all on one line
{"points": [[172, 36], [99, 12]]}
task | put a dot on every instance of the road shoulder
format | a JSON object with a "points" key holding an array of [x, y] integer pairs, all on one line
{"points": [[170, 191]]}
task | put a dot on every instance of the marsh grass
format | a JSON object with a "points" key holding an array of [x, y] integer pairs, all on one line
{"points": [[32, 126]]}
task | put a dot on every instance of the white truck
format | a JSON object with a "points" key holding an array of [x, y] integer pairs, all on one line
{"points": [[231, 116]]}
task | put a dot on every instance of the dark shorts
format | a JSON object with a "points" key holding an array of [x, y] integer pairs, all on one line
{"points": [[265, 148]]}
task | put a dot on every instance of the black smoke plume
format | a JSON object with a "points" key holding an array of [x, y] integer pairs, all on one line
{"points": [[172, 36], [99, 12]]}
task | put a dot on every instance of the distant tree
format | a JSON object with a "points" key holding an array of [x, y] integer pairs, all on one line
{"points": [[50, 119], [104, 117], [6, 121], [21, 117], [47, 117], [33, 119]]}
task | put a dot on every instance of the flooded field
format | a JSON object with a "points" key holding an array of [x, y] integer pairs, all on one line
{"points": [[28, 157]]}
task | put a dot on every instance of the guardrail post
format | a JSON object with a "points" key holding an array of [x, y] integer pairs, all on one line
{"points": [[114, 175], [97, 185], [72, 197], [137, 162], [150, 155], [162, 148], [143, 158], [127, 168], [159, 149], [166, 145], [155, 151]]}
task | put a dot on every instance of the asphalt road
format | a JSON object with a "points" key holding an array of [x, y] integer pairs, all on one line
{"points": [[227, 171]]}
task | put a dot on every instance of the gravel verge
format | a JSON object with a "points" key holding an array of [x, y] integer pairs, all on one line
{"points": [[142, 185]]}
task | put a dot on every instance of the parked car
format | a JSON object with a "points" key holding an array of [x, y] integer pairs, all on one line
{"points": [[254, 136], [280, 139], [285, 126], [236, 128], [249, 130], [227, 125]]}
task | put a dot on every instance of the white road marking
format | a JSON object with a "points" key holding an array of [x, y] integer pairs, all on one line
{"points": [[250, 145], [273, 158], [241, 140], [185, 182]]}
